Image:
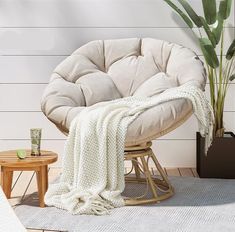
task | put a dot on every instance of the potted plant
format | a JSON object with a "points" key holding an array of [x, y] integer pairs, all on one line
{"points": [[219, 162]]}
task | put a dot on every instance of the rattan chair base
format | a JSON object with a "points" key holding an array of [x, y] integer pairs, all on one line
{"points": [[159, 186]]}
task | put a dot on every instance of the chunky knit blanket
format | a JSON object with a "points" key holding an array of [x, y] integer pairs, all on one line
{"points": [[92, 177]]}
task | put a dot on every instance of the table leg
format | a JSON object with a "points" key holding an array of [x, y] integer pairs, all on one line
{"points": [[6, 181], [42, 181]]}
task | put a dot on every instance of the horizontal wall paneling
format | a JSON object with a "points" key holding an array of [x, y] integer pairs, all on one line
{"points": [[63, 41], [91, 13]]}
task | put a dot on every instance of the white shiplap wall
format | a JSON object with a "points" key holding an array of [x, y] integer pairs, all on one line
{"points": [[35, 35]]}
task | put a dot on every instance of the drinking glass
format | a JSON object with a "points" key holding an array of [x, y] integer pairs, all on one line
{"points": [[35, 134]]}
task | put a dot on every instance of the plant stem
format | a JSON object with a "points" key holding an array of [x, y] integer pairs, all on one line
{"points": [[220, 94], [212, 89]]}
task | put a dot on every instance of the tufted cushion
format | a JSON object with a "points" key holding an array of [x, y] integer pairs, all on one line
{"points": [[94, 91], [106, 70], [156, 85]]}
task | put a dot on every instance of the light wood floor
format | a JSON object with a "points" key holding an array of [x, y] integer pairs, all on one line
{"points": [[24, 183]]}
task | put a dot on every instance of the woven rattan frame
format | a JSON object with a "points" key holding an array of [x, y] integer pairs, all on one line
{"points": [[159, 186]]}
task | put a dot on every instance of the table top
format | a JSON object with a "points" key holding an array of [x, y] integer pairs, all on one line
{"points": [[10, 159]]}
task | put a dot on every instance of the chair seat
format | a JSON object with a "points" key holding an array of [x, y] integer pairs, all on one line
{"points": [[151, 124], [158, 121]]}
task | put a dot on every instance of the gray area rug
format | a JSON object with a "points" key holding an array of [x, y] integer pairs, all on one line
{"points": [[199, 205]]}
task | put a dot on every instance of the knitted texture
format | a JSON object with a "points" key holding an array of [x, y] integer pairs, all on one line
{"points": [[92, 177]]}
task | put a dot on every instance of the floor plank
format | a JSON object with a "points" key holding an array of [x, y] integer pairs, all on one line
{"points": [[194, 171], [53, 174], [186, 172], [172, 172], [32, 188], [32, 185], [16, 176], [20, 187], [31, 230], [155, 172], [34, 230]]}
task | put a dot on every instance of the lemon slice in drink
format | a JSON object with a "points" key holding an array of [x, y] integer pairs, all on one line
{"points": [[21, 154]]}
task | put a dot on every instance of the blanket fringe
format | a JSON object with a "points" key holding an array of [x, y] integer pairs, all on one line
{"points": [[100, 207], [93, 206]]}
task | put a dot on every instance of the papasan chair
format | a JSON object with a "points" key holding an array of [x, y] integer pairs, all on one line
{"points": [[110, 69]]}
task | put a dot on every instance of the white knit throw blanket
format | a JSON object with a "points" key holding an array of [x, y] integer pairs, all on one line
{"points": [[92, 178]]}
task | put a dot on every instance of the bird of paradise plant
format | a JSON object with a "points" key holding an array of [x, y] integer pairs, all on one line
{"points": [[211, 37]]}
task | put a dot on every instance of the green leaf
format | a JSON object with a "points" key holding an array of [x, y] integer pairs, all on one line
{"points": [[180, 12], [209, 52], [192, 14], [231, 51], [209, 8], [208, 32], [218, 30], [225, 8], [232, 77]]}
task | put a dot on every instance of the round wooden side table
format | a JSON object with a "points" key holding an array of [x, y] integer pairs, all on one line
{"points": [[9, 163]]}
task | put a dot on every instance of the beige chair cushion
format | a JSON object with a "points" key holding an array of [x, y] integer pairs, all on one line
{"points": [[156, 85], [110, 69], [94, 91]]}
